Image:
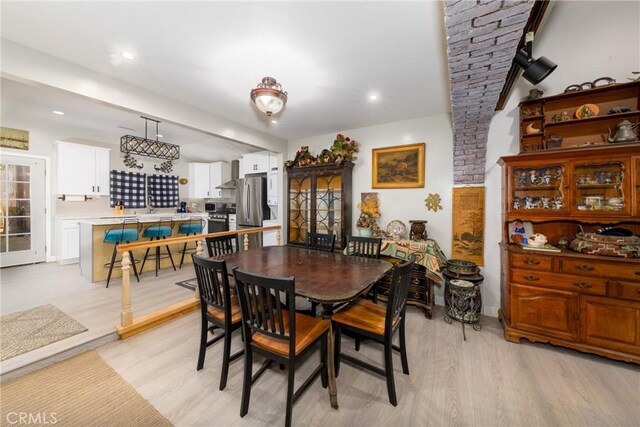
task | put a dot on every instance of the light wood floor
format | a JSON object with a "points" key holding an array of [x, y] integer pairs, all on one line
{"points": [[484, 381], [91, 304]]}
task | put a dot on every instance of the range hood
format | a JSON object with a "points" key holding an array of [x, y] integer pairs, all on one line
{"points": [[235, 174]]}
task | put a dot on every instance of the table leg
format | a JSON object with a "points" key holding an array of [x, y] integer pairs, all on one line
{"points": [[327, 310]]}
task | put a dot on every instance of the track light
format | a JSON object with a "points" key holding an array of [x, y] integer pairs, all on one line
{"points": [[535, 70]]}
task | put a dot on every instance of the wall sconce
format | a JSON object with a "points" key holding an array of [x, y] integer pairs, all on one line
{"points": [[535, 70]]}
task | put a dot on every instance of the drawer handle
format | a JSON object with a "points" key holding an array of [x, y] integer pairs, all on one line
{"points": [[584, 267], [638, 291], [532, 278], [583, 285], [532, 262]]}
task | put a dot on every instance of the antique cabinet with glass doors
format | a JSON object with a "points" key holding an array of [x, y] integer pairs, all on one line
{"points": [[319, 201]]}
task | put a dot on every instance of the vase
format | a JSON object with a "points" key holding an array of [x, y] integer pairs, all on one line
{"points": [[365, 232]]}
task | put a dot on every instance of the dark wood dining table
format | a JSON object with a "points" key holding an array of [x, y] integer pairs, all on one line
{"points": [[323, 277]]}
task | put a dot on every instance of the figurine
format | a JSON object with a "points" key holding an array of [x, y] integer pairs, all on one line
{"points": [[523, 178], [545, 202], [533, 177], [547, 176], [618, 178], [558, 175], [608, 177], [599, 178], [528, 202], [516, 203], [557, 202], [534, 94]]}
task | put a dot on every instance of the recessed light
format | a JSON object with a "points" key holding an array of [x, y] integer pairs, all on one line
{"points": [[159, 136], [60, 113], [274, 121], [373, 97], [127, 55]]}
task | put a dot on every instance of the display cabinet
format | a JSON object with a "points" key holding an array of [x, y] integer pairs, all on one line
{"points": [[585, 302], [578, 119], [319, 201]]}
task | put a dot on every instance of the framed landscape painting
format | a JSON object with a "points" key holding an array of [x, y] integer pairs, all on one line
{"points": [[401, 166]]}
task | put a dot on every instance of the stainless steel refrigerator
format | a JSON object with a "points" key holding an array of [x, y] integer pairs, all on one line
{"points": [[251, 207]]}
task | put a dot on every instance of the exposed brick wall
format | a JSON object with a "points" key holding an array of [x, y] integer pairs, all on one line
{"points": [[482, 38]]}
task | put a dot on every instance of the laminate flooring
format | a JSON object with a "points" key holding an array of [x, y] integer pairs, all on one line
{"points": [[91, 304], [484, 381]]}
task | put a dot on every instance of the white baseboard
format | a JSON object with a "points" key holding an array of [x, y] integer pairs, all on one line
{"points": [[51, 259]]}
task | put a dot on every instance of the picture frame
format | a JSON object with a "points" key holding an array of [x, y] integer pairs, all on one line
{"points": [[400, 166], [14, 138]]}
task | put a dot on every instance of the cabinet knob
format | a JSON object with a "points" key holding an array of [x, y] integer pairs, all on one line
{"points": [[584, 267], [583, 285], [530, 261], [532, 278]]}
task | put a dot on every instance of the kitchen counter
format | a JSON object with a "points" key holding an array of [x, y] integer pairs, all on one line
{"points": [[95, 254]]}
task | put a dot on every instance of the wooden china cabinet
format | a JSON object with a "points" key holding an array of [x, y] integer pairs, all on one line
{"points": [[584, 302], [319, 201]]}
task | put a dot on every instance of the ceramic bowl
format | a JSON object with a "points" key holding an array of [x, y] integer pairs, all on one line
{"points": [[462, 267]]}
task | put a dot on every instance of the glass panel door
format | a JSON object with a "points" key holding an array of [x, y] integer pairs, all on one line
{"points": [[328, 205], [22, 228], [299, 209], [600, 188], [539, 188]]}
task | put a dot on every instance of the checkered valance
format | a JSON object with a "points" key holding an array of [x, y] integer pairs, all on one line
{"points": [[163, 190], [130, 187]]}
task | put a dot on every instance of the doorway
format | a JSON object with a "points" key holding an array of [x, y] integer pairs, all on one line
{"points": [[22, 210]]}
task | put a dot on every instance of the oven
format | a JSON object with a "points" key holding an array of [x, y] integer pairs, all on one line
{"points": [[218, 222]]}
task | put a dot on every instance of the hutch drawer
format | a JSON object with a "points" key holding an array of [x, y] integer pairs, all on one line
{"points": [[601, 268], [580, 284], [628, 290], [532, 262]]}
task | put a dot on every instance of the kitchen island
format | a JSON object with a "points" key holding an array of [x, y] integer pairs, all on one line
{"points": [[95, 255]]}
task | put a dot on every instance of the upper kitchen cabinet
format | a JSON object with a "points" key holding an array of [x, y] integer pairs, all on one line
{"points": [[205, 177], [82, 169], [256, 163]]}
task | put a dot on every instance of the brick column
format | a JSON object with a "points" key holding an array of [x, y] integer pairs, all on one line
{"points": [[482, 39]]}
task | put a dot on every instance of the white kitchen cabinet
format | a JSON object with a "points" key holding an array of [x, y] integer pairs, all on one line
{"points": [[272, 188], [273, 161], [82, 169], [205, 177], [69, 252], [219, 173], [232, 222], [255, 163]]}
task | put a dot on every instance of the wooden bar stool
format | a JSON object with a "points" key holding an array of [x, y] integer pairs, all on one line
{"points": [[127, 232], [194, 226], [162, 230]]}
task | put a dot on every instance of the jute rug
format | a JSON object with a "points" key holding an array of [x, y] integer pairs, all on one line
{"points": [[27, 330], [82, 391]]}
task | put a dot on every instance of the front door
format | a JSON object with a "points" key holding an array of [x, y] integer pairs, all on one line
{"points": [[22, 210]]}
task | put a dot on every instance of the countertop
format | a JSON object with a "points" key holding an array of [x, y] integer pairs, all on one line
{"points": [[146, 218]]}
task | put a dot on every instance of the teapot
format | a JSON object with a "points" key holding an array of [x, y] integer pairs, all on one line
{"points": [[624, 132]]}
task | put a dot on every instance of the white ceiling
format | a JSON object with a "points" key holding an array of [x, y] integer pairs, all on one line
{"points": [[329, 56]]}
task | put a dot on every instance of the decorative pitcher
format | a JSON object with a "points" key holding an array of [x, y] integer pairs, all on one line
{"points": [[624, 132]]}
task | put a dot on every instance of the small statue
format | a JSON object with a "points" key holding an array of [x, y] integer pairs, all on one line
{"points": [[523, 178], [535, 93], [545, 202], [516, 203], [557, 202], [546, 178], [533, 178], [528, 202], [608, 177], [558, 175]]}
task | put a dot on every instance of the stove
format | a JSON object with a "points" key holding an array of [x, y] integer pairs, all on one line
{"points": [[218, 221]]}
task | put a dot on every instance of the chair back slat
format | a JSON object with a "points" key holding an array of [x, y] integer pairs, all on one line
{"points": [[321, 242], [213, 283], [262, 308], [402, 275], [368, 247], [222, 245]]}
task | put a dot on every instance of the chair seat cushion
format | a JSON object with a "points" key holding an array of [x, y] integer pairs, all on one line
{"points": [[218, 314], [120, 235], [363, 314], [192, 228], [308, 329], [157, 231]]}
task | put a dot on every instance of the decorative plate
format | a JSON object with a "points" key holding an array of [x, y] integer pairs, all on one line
{"points": [[587, 110], [397, 229], [183, 181]]}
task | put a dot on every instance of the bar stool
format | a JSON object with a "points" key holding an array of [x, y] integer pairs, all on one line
{"points": [[162, 230], [123, 232], [194, 226]]}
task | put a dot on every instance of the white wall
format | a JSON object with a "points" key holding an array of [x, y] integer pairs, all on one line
{"points": [[402, 204], [587, 40]]}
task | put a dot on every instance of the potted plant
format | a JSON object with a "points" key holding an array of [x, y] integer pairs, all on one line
{"points": [[369, 212]]}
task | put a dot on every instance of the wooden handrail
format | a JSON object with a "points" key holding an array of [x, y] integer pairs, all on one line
{"points": [[130, 326]]}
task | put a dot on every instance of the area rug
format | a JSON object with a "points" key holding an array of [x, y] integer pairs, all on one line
{"points": [[81, 391], [27, 330], [189, 284]]}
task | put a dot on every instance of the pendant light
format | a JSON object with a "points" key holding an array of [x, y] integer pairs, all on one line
{"points": [[269, 96]]}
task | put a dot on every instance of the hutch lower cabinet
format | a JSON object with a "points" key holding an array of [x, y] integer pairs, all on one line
{"points": [[585, 302], [319, 201]]}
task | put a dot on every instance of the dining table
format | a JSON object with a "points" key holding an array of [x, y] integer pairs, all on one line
{"points": [[329, 279]]}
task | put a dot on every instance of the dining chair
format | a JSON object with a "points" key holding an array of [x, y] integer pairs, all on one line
{"points": [[367, 247], [378, 323], [218, 308], [282, 336], [321, 242], [221, 245]]}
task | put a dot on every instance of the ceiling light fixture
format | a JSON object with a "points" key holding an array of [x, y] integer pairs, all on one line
{"points": [[127, 55], [535, 70], [60, 113], [159, 136], [274, 121], [130, 144], [269, 96], [373, 97]]}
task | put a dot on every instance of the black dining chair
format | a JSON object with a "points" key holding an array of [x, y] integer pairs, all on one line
{"points": [[321, 242], [365, 318], [367, 247], [282, 336], [218, 308], [221, 245]]}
